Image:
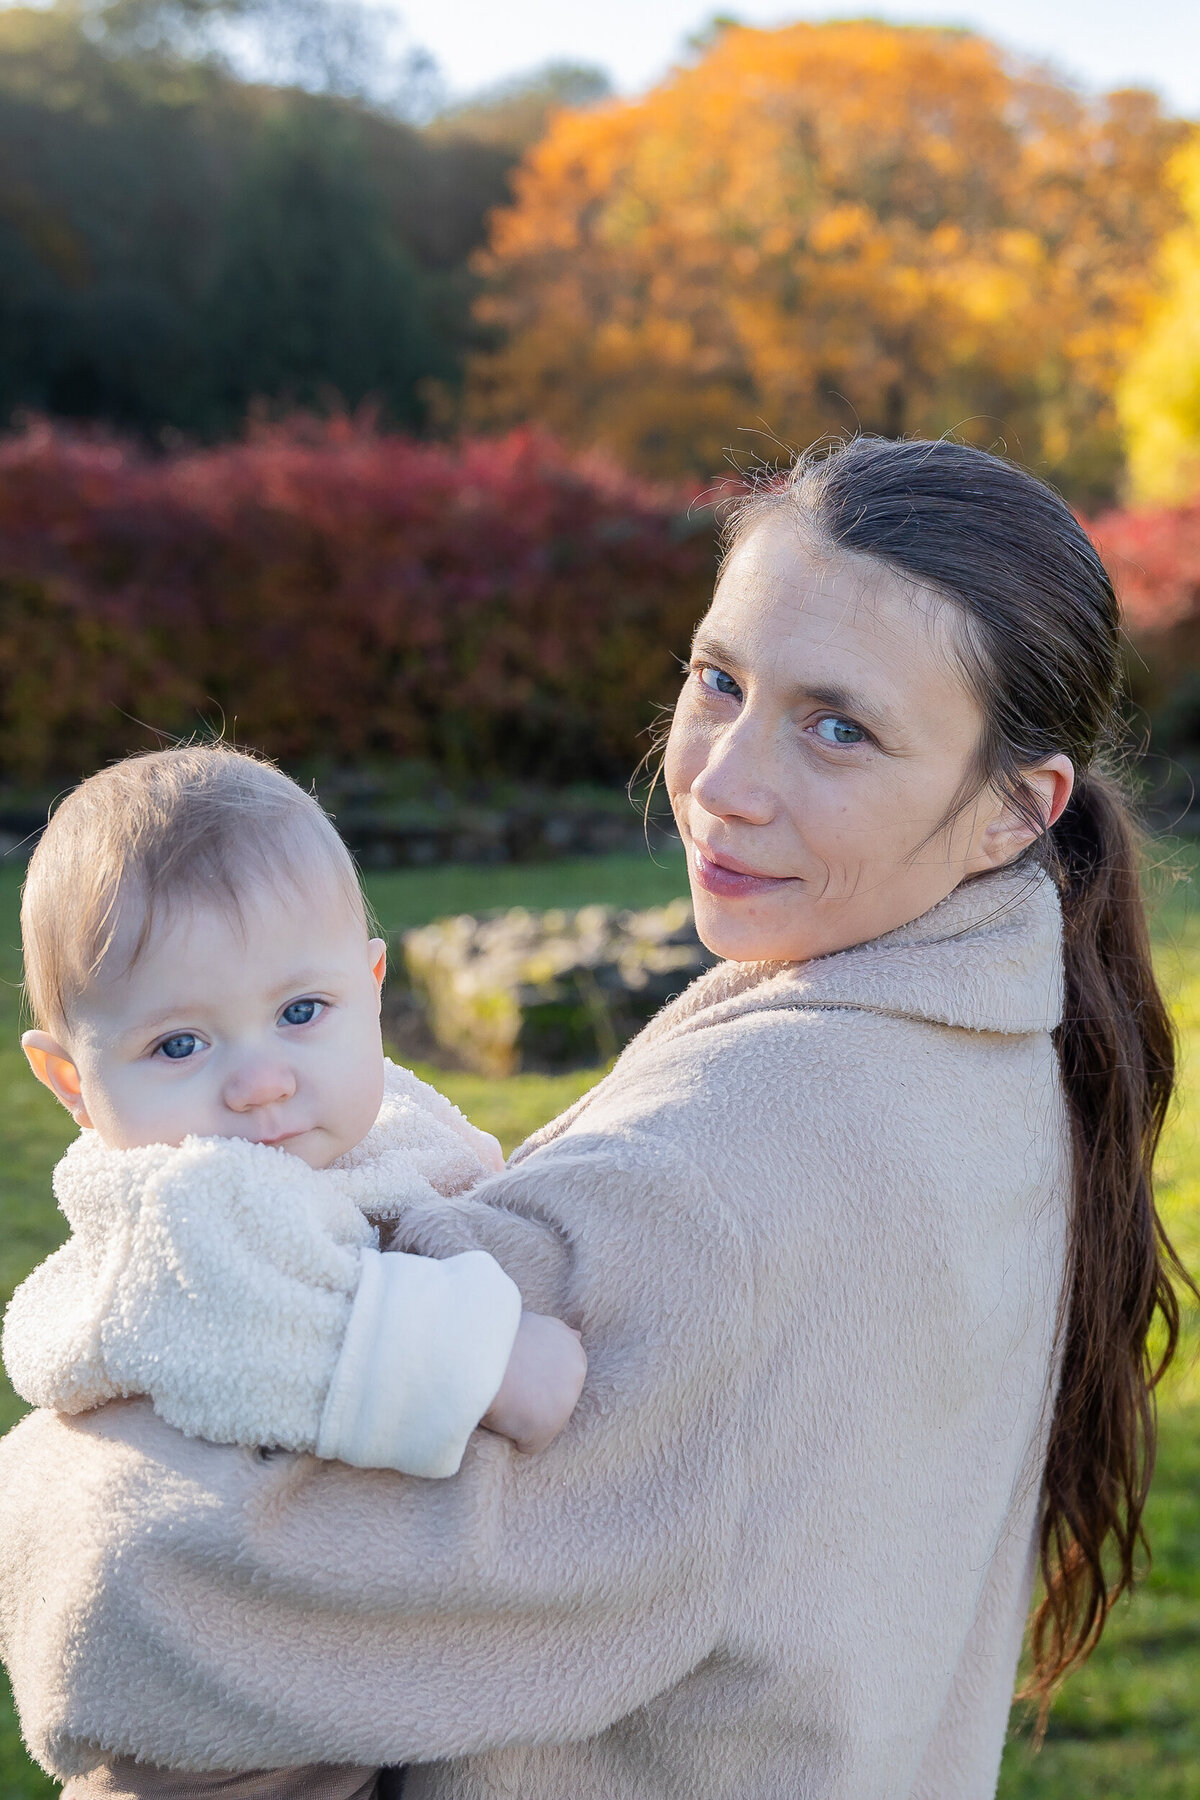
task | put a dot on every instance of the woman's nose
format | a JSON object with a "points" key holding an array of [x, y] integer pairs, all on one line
{"points": [[730, 785], [259, 1082]]}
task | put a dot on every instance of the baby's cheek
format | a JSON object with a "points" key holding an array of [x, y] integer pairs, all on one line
{"points": [[359, 1097], [126, 1118]]}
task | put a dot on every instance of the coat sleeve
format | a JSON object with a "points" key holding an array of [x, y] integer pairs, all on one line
{"points": [[260, 1612]]}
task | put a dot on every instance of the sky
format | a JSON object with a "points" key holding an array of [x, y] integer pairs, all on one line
{"points": [[1102, 43]]}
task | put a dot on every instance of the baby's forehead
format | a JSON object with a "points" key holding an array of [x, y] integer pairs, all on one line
{"points": [[261, 935], [306, 901]]}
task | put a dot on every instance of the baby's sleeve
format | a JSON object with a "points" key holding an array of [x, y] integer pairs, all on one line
{"points": [[50, 1343], [218, 1279], [448, 1327]]}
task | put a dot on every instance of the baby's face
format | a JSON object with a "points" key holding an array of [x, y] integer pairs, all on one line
{"points": [[264, 1028]]}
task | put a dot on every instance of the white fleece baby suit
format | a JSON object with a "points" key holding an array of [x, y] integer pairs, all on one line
{"points": [[168, 1259]]}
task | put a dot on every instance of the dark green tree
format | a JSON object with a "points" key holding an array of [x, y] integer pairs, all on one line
{"points": [[109, 171], [155, 202], [315, 296]]}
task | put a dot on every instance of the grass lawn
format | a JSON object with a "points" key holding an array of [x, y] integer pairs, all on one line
{"points": [[1128, 1726]]}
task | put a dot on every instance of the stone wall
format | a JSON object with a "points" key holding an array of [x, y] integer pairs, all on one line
{"points": [[523, 990]]}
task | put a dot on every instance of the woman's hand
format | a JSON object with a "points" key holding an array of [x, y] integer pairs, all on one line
{"points": [[541, 1385]]}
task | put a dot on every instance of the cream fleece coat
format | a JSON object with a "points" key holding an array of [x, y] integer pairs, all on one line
{"points": [[812, 1227], [218, 1278]]}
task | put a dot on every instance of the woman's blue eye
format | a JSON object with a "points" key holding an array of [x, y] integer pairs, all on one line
{"points": [[300, 1012], [183, 1044], [718, 682], [833, 730]]}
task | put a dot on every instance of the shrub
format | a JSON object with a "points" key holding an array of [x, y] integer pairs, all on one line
{"points": [[496, 607], [1153, 554]]}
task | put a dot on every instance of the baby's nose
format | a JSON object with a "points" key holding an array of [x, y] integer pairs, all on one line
{"points": [[259, 1083]]}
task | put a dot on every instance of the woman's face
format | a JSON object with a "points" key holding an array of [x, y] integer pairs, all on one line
{"points": [[823, 734]]}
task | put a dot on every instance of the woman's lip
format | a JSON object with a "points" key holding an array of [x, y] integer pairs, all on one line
{"points": [[727, 878]]}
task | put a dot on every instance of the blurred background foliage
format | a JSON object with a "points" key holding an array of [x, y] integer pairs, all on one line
{"points": [[272, 305], [206, 204], [496, 607], [178, 239], [221, 211], [827, 227], [1159, 394]]}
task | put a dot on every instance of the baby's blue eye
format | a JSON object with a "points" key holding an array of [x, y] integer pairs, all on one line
{"points": [[718, 682], [184, 1043], [833, 730], [300, 1012]]}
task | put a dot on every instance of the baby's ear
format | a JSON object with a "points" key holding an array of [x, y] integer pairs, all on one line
{"points": [[55, 1069], [377, 951]]}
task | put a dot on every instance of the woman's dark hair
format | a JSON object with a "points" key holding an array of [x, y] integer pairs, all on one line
{"points": [[1041, 648]]}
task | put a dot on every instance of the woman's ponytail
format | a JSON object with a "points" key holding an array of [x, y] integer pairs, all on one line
{"points": [[1116, 1050]]}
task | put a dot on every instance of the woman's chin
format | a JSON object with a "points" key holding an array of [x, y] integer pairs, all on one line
{"points": [[741, 939]]}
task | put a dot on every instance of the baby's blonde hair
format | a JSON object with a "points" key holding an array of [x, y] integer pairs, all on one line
{"points": [[200, 823]]}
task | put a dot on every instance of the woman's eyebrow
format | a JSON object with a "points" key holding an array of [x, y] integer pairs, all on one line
{"points": [[713, 650], [843, 700]]}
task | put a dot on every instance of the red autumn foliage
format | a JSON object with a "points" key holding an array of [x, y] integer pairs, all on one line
{"points": [[1153, 555], [499, 606]]}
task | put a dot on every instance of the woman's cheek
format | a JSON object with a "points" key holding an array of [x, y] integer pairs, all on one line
{"points": [[686, 751]]}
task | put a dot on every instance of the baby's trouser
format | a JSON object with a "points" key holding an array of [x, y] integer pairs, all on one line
{"points": [[126, 1779]]}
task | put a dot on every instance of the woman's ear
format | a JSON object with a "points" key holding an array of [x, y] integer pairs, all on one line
{"points": [[1054, 783], [56, 1070], [1049, 785]]}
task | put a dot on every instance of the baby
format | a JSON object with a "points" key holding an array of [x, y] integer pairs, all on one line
{"points": [[206, 991]]}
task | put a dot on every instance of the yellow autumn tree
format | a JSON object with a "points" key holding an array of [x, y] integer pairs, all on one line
{"points": [[825, 226], [1159, 397]]}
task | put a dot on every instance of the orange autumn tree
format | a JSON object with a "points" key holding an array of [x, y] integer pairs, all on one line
{"points": [[822, 226], [1158, 398]]}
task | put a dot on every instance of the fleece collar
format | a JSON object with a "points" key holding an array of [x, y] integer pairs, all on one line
{"points": [[988, 958]]}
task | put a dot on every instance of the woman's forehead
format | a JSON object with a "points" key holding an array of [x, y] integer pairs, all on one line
{"points": [[798, 613]]}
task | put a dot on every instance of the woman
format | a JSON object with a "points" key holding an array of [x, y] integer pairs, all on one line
{"points": [[859, 1234]]}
